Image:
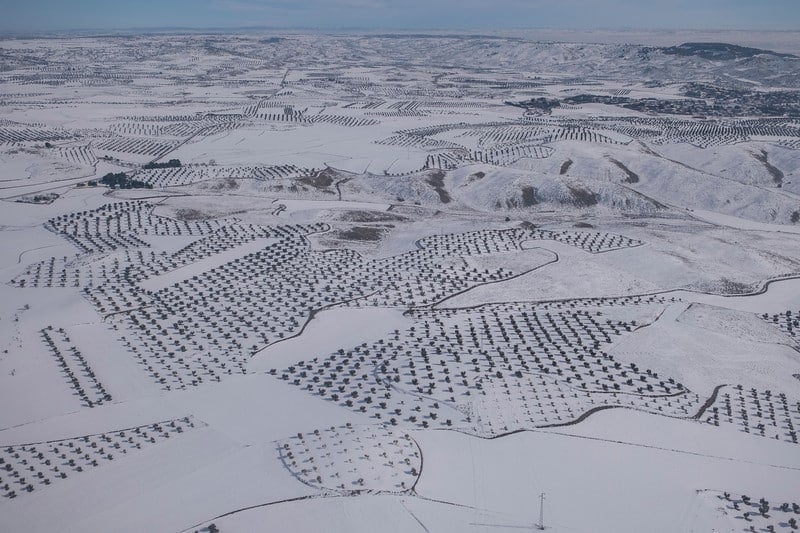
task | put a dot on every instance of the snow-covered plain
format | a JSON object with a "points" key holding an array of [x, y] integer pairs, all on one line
{"points": [[400, 282]]}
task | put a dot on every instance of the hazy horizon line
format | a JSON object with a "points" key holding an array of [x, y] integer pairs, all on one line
{"points": [[98, 32]]}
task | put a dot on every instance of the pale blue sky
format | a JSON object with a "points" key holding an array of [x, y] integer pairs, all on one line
{"points": [[47, 15]]}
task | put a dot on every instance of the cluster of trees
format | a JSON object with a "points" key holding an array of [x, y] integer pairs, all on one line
{"points": [[44, 198], [703, 100], [122, 181], [172, 163], [545, 105]]}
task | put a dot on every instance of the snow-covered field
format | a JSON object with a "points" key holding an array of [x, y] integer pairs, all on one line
{"points": [[400, 283]]}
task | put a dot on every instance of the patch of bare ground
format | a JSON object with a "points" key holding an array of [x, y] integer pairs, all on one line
{"points": [[191, 214], [474, 177], [370, 216], [227, 184], [436, 180], [320, 180], [632, 177], [582, 197], [529, 197], [775, 172], [361, 233]]}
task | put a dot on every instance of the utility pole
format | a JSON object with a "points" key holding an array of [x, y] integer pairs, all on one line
{"points": [[540, 525]]}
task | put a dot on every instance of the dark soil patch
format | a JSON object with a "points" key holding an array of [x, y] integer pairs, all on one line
{"points": [[321, 180], [370, 216], [582, 225], [475, 177], [436, 180], [775, 172], [227, 184], [633, 177], [361, 233], [583, 197], [565, 166], [529, 197], [795, 218], [191, 214]]}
